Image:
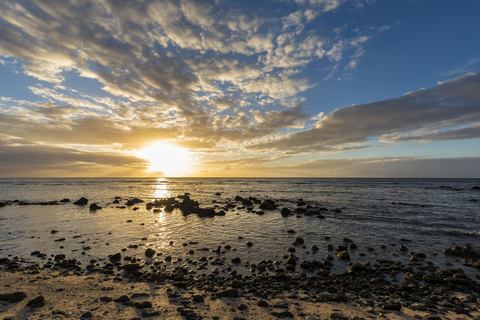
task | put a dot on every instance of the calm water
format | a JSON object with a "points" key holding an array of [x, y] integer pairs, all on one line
{"points": [[432, 217]]}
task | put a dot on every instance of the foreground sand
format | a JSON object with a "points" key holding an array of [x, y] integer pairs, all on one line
{"points": [[74, 297]]}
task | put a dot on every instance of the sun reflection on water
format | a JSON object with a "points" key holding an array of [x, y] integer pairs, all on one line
{"points": [[162, 189]]}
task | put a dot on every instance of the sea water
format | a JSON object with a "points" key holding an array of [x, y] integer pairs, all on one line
{"points": [[433, 214]]}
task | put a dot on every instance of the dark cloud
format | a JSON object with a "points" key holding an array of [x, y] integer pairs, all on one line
{"points": [[451, 103]]}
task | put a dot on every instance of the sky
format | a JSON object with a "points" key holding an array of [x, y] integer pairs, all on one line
{"points": [[218, 88]]}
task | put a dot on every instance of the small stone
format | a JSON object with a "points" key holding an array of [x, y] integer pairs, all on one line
{"points": [[86, 315], [242, 307], [262, 303], [37, 302], [198, 298], [249, 244], [344, 255]]}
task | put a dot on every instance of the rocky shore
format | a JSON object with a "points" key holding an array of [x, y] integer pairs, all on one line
{"points": [[207, 285]]}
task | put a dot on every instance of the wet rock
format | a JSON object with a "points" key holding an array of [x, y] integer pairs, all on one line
{"points": [[81, 202], [403, 248], [133, 201], [65, 200], [242, 307], [13, 297], [198, 298], [464, 252], [353, 246], [58, 240], [357, 267], [249, 244], [286, 212], [314, 248], [131, 267], [106, 299], [236, 260], [37, 302], [291, 231], [344, 255], [299, 240], [149, 253], [268, 205], [115, 257], [53, 231], [94, 207]]}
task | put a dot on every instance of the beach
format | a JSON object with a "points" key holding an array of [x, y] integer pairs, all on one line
{"points": [[220, 253]]}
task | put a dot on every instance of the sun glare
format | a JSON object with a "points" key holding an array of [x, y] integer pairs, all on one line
{"points": [[166, 158]]}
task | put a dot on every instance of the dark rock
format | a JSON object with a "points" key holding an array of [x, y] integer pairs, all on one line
{"points": [[236, 260], [344, 255], [81, 202], [65, 200], [249, 244], [403, 248], [198, 298], [94, 207], [35, 253], [286, 212], [37, 302], [262, 303], [242, 307], [464, 252], [134, 201], [299, 240], [115, 257], [392, 306], [268, 205], [86, 315], [131, 267], [291, 231], [53, 231], [13, 297], [106, 299], [149, 252], [282, 314], [58, 240], [122, 299], [143, 305], [357, 267], [228, 293], [314, 248]]}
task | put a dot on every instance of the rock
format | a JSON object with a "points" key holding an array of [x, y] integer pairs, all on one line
{"points": [[299, 240], [249, 244], [268, 205], [13, 297], [198, 298], [143, 305], [122, 299], [115, 257], [65, 200], [236, 260], [94, 207], [37, 302], [282, 314], [86, 315], [291, 231], [131, 267], [35, 253], [218, 194], [133, 201], [106, 299], [58, 240], [357, 267], [53, 231], [314, 248], [344, 255], [464, 252], [392, 306], [242, 307], [341, 248], [262, 303], [286, 212], [403, 248], [81, 202], [228, 293], [149, 252]]}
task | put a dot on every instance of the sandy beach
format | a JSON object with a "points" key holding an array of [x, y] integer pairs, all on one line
{"points": [[64, 295]]}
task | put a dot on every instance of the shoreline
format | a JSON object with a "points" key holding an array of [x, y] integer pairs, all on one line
{"points": [[138, 291]]}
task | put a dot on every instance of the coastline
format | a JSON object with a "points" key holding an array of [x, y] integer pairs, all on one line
{"points": [[137, 291]]}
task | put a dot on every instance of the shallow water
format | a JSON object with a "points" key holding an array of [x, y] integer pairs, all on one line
{"points": [[374, 212]]}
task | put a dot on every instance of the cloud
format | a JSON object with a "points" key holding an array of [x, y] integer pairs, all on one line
{"points": [[451, 103]]}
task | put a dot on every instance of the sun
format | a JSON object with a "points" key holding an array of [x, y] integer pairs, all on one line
{"points": [[166, 158]]}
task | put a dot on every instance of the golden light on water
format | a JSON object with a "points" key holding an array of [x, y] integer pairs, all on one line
{"points": [[166, 158], [162, 189]]}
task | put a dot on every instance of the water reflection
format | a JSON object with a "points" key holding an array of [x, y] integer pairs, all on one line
{"points": [[161, 189]]}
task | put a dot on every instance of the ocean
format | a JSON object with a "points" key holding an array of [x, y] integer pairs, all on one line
{"points": [[424, 215]]}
